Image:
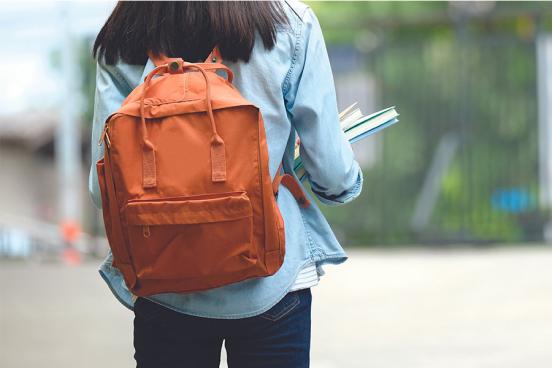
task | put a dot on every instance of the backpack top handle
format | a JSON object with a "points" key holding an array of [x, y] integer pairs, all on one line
{"points": [[218, 152]]}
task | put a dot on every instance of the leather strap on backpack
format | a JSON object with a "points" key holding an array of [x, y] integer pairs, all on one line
{"points": [[293, 186]]}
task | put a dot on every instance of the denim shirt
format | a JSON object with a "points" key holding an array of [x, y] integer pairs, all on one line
{"points": [[293, 86]]}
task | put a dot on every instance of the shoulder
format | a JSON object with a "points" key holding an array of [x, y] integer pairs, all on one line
{"points": [[300, 12], [301, 16], [126, 77], [298, 8]]}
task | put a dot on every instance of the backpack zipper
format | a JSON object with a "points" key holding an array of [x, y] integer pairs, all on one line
{"points": [[146, 231], [184, 198]]}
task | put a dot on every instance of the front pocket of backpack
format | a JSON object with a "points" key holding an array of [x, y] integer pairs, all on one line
{"points": [[191, 237]]}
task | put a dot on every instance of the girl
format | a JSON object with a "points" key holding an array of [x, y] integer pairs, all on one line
{"points": [[280, 62]]}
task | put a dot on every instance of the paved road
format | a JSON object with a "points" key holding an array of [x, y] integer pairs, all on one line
{"points": [[382, 309]]}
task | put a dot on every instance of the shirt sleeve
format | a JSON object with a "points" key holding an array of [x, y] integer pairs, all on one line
{"points": [[111, 90], [334, 175]]}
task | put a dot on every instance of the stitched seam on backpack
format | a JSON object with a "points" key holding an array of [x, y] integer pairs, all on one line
{"points": [[153, 101]]}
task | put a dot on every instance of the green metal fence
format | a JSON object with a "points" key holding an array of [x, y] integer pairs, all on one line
{"points": [[462, 164]]}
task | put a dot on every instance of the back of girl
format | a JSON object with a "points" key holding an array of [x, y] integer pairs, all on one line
{"points": [[277, 54]]}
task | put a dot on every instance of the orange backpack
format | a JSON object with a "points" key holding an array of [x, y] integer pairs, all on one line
{"points": [[188, 202]]}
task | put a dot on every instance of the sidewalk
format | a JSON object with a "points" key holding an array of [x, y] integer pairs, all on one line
{"points": [[381, 309]]}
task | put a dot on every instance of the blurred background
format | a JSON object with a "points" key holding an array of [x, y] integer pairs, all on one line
{"points": [[450, 257]]}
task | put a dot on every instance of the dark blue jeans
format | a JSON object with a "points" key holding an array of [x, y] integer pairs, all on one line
{"points": [[278, 338]]}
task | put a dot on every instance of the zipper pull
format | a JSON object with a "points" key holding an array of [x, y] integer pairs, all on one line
{"points": [[105, 136], [146, 231]]}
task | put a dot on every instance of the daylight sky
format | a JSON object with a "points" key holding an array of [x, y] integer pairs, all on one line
{"points": [[29, 33]]}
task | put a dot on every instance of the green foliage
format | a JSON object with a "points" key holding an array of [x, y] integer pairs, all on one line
{"points": [[342, 20], [87, 83], [87, 74]]}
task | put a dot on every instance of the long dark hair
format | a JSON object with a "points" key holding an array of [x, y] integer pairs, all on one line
{"points": [[187, 29]]}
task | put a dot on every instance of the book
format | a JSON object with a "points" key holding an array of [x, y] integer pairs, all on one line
{"points": [[356, 126]]}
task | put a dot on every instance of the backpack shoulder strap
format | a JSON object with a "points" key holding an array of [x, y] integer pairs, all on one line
{"points": [[214, 56], [293, 186]]}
